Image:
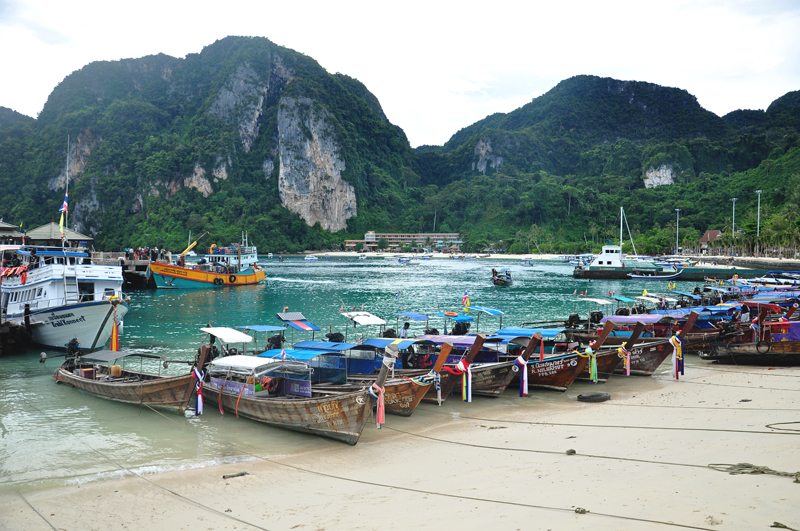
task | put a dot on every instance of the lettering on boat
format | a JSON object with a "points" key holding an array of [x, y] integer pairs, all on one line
{"points": [[64, 319], [401, 399], [174, 272], [550, 368], [330, 412]]}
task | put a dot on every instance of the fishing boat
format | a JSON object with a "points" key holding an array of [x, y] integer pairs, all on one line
{"points": [[236, 265], [99, 375], [642, 275], [607, 361], [310, 258], [58, 294], [273, 389], [773, 343], [502, 277], [647, 356]]}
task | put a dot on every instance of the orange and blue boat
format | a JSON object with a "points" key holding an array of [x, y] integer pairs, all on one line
{"points": [[236, 265]]}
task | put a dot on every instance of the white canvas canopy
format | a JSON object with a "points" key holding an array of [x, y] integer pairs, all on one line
{"points": [[597, 301], [364, 318], [246, 363], [228, 335]]}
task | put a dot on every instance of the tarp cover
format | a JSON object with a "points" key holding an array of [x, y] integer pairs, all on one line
{"points": [[458, 341], [263, 328], [596, 301], [414, 316], [228, 335], [381, 342], [528, 332], [364, 318], [456, 318], [294, 354], [484, 309], [324, 345], [241, 362], [622, 299]]}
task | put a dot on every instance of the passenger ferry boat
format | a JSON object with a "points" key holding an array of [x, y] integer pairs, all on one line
{"points": [[61, 295], [235, 265]]}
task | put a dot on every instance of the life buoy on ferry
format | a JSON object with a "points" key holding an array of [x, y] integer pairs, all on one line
{"points": [[232, 279], [23, 278], [451, 314]]}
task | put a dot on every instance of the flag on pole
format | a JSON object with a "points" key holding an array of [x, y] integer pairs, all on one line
{"points": [[644, 293], [465, 299], [64, 205], [575, 292], [283, 354]]}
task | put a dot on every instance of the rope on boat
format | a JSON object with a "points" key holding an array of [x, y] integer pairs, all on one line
{"points": [[747, 468]]}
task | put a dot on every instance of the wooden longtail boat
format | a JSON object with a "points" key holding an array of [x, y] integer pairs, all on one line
{"points": [[771, 343], [609, 360], [492, 379], [296, 404], [558, 372], [648, 356], [403, 394], [92, 374], [449, 380]]}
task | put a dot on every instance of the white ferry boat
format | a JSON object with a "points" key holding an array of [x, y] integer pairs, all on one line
{"points": [[62, 295]]}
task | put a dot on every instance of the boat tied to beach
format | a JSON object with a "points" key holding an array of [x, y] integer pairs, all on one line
{"points": [[99, 375], [57, 294], [235, 265]]}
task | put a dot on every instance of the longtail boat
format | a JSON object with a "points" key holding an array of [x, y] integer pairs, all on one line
{"points": [[558, 372], [280, 392], [773, 343], [608, 360], [404, 392], [492, 379], [647, 357], [96, 375]]}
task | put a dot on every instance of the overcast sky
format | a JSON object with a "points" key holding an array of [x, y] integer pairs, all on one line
{"points": [[436, 67]]}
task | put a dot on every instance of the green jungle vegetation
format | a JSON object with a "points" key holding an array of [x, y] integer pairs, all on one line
{"points": [[548, 177]]}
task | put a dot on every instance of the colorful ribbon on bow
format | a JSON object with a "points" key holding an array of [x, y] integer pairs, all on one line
{"points": [[592, 355], [428, 379], [754, 328], [625, 354], [463, 369], [377, 394], [677, 355], [520, 364], [198, 375]]}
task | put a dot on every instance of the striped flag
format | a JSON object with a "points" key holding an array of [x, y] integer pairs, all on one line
{"points": [[64, 205], [115, 337]]}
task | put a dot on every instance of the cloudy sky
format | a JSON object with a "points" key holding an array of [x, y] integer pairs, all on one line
{"points": [[435, 66]]}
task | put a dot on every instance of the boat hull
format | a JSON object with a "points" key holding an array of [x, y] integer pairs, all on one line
{"points": [[401, 396], [647, 357], [91, 323], [607, 363], [492, 379], [172, 392], [174, 277], [554, 373], [340, 416], [781, 353]]}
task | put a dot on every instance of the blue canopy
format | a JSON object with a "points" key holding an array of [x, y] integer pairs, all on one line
{"points": [[622, 299], [293, 354], [414, 316], [528, 332], [42, 252], [263, 328], [457, 318], [381, 342], [690, 295], [324, 346], [298, 321], [484, 309]]}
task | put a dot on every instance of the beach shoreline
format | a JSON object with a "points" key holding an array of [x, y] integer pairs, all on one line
{"points": [[640, 458]]}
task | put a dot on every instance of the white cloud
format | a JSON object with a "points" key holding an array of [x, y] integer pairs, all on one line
{"points": [[435, 67]]}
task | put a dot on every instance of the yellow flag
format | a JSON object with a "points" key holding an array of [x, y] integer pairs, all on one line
{"points": [[644, 293], [61, 224]]}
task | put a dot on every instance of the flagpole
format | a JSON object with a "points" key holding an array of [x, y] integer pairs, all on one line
{"points": [[66, 214]]}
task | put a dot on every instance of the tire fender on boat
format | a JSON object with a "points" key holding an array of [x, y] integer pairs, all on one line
{"points": [[232, 279], [760, 347]]}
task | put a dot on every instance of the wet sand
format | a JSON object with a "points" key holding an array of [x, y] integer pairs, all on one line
{"points": [[641, 460]]}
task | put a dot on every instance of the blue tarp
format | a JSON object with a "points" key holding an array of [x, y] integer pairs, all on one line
{"points": [[380, 342], [528, 332], [295, 354], [324, 346], [690, 295], [263, 328], [414, 316], [622, 299], [457, 318], [484, 309]]}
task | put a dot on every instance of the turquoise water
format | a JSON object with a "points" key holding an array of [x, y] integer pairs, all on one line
{"points": [[53, 434]]}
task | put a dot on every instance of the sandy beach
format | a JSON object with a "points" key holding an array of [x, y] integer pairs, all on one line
{"points": [[641, 461]]}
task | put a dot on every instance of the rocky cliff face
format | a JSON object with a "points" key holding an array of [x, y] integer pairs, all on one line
{"points": [[664, 174], [310, 169], [79, 151], [483, 156]]}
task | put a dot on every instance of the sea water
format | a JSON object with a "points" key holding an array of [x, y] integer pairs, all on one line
{"points": [[54, 434]]}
